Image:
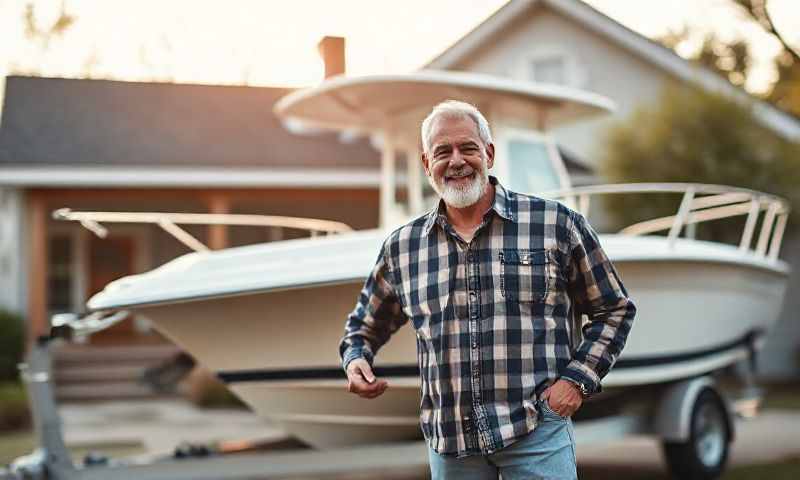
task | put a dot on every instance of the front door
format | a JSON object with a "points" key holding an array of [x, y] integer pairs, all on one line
{"points": [[111, 258]]}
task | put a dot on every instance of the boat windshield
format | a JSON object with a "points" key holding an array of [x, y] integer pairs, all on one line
{"points": [[530, 167]]}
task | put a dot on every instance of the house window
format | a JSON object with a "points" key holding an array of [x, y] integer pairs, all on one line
{"points": [[550, 69], [59, 282], [551, 64]]}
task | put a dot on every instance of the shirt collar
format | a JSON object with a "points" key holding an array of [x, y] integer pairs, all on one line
{"points": [[501, 205]]}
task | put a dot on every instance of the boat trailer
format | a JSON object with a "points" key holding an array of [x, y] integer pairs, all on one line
{"points": [[693, 419]]}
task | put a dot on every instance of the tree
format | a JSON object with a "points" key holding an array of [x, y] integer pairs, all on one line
{"points": [[757, 10], [785, 93], [732, 59], [695, 136], [41, 30], [56, 29]]}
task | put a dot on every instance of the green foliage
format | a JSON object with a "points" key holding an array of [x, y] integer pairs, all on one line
{"points": [[12, 344], [730, 59], [16, 444], [14, 413], [783, 396], [56, 28], [785, 92], [699, 137], [14, 410]]}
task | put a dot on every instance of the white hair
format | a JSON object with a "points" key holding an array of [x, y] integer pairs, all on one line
{"points": [[455, 109]]}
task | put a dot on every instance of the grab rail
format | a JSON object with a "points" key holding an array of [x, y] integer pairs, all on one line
{"points": [[719, 201], [169, 223]]}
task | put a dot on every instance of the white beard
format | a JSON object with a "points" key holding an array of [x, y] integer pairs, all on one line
{"points": [[464, 196]]}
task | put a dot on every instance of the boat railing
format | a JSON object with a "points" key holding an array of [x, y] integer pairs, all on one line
{"points": [[170, 222], [700, 203]]}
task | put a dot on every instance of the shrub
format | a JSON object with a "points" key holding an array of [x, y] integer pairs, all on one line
{"points": [[12, 344], [14, 410], [699, 137]]}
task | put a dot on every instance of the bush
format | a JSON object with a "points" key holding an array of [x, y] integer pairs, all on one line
{"points": [[12, 344], [14, 410], [699, 137]]}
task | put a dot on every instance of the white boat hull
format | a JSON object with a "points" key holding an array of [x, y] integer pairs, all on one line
{"points": [[277, 350]]}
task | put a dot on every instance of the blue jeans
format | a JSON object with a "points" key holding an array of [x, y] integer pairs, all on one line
{"points": [[546, 453]]}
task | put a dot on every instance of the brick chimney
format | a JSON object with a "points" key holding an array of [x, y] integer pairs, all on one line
{"points": [[332, 51]]}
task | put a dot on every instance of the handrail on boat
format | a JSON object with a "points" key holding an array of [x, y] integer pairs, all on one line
{"points": [[718, 201], [169, 222]]}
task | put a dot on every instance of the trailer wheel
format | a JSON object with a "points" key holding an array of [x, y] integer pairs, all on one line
{"points": [[704, 454]]}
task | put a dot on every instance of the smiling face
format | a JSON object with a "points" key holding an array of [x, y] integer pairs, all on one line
{"points": [[458, 162]]}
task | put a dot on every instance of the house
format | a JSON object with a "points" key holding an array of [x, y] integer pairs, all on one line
{"points": [[99, 145], [91, 144]]}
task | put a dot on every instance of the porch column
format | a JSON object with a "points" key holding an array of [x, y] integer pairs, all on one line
{"points": [[413, 179], [388, 182], [218, 234], [38, 323]]}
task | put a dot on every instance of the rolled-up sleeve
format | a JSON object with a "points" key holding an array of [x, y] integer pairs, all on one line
{"points": [[376, 316], [596, 290]]}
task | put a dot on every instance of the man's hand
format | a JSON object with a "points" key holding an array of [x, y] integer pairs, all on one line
{"points": [[563, 397], [361, 381]]}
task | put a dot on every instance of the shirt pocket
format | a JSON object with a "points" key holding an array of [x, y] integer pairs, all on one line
{"points": [[526, 275]]}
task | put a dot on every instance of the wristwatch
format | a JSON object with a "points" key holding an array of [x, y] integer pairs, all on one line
{"points": [[581, 388]]}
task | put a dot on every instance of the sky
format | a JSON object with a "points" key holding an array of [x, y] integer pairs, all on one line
{"points": [[265, 42]]}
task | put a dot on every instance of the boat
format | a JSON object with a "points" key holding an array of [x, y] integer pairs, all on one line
{"points": [[267, 318]]}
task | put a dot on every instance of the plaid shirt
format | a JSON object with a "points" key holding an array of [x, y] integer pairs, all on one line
{"points": [[497, 319]]}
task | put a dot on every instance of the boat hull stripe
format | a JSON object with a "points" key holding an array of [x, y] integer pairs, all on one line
{"points": [[241, 376]]}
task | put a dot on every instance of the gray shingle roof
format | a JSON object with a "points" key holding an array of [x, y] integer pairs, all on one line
{"points": [[52, 121]]}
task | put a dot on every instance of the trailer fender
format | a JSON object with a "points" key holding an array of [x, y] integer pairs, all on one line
{"points": [[674, 411]]}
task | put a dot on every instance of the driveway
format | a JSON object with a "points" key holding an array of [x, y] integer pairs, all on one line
{"points": [[156, 427]]}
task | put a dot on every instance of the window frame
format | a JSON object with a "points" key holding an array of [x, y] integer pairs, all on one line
{"points": [[574, 74], [505, 135]]}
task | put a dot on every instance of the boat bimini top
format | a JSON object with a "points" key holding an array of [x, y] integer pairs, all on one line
{"points": [[390, 110]]}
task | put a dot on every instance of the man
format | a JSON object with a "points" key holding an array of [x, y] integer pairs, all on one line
{"points": [[494, 283]]}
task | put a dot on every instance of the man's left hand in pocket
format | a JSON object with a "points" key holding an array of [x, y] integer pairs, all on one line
{"points": [[563, 397]]}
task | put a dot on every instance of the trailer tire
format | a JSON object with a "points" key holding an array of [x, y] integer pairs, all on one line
{"points": [[704, 455]]}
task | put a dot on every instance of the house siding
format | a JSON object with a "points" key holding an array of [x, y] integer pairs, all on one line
{"points": [[11, 272], [780, 358]]}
